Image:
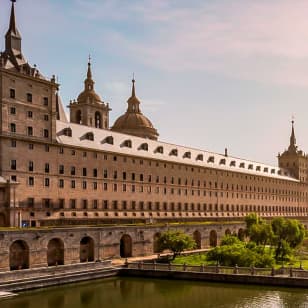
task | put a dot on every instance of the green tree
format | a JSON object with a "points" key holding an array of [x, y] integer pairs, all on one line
{"points": [[176, 241], [251, 220], [261, 234], [288, 234]]}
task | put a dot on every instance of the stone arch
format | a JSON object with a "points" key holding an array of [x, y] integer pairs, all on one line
{"points": [[213, 238], [2, 220], [87, 249], [155, 242], [241, 234], [98, 119], [126, 246], [19, 255], [78, 117], [197, 239], [55, 252], [228, 232]]}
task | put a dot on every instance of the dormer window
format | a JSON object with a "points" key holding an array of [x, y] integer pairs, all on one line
{"points": [[279, 172], [250, 166], [242, 165], [211, 159], [126, 143], [258, 168], [173, 152], [273, 171], [233, 163], [160, 150], [187, 155], [108, 140], [199, 157], [265, 169], [222, 161], [144, 147], [88, 136], [67, 132]]}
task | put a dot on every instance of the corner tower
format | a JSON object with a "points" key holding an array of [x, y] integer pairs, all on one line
{"points": [[294, 160], [89, 109], [133, 122]]}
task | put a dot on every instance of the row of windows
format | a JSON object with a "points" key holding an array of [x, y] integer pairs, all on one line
{"points": [[164, 206], [29, 97], [29, 131], [29, 114]]}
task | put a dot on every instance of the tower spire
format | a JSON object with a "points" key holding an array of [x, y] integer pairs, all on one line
{"points": [[133, 101], [292, 146], [89, 82], [89, 73], [133, 86]]}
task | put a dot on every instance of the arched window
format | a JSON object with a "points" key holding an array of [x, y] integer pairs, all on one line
{"points": [[78, 117], [88, 136], [144, 147], [159, 149], [108, 139], [98, 120], [127, 143], [173, 152], [199, 157], [187, 155]]}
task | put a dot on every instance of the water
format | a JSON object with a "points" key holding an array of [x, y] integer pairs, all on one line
{"points": [[146, 293]]}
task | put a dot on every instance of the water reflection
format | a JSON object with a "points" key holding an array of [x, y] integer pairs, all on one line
{"points": [[140, 293]]}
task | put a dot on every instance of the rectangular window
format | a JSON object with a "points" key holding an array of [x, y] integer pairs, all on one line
{"points": [[61, 183], [46, 117], [31, 166], [45, 101], [72, 203], [46, 182], [12, 93], [31, 146], [95, 185], [105, 204], [84, 204], [95, 173], [73, 184], [13, 128], [46, 133], [84, 154], [13, 164], [105, 186], [47, 203], [115, 187], [29, 97], [31, 181], [105, 173], [14, 178], [61, 169], [73, 170], [47, 168], [73, 153], [84, 184], [30, 114], [12, 110], [30, 130], [30, 202], [46, 148], [95, 204], [124, 176], [13, 143], [61, 203], [61, 150], [84, 171]]}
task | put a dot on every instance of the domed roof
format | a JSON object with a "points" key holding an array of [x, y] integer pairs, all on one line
{"points": [[133, 122]]}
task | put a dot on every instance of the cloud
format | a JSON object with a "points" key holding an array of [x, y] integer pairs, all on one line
{"points": [[255, 40]]}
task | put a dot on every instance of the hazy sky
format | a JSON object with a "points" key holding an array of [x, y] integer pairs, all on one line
{"points": [[210, 74]]}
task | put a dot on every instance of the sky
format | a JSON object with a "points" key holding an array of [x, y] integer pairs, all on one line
{"points": [[210, 74]]}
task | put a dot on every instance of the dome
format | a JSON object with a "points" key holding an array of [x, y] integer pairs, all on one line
{"points": [[133, 122], [89, 94]]}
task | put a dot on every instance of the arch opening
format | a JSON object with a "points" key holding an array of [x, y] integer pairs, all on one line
{"points": [[98, 120], [197, 239], [213, 238], [78, 117], [228, 232], [126, 246], [156, 248], [241, 234], [55, 252], [87, 249], [19, 255]]}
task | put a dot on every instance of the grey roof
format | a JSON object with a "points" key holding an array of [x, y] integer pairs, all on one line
{"points": [[81, 136]]}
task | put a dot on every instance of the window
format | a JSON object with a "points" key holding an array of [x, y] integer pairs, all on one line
{"points": [[13, 143], [13, 127], [61, 169], [31, 181], [73, 184], [12, 110], [13, 164], [14, 178], [29, 97], [12, 93], [31, 166], [31, 202], [61, 203], [84, 204], [84, 184], [46, 117], [46, 148], [73, 170], [46, 133], [61, 150], [45, 101], [61, 183], [95, 204], [72, 203], [84, 171], [105, 186], [46, 168], [31, 146], [124, 176], [46, 182], [95, 173], [105, 173], [30, 114], [95, 185], [30, 130]]}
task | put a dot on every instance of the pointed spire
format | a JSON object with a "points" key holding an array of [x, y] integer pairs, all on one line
{"points": [[13, 27], [133, 87], [89, 82], [292, 146], [133, 101], [89, 73]]}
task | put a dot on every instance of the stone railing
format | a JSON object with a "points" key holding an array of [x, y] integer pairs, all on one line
{"points": [[217, 269]]}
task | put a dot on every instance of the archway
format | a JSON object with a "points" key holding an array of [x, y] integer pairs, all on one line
{"points": [[98, 120], [126, 246], [55, 252], [19, 255], [228, 232], [78, 117], [86, 249], [197, 239], [213, 238], [241, 234], [156, 248]]}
